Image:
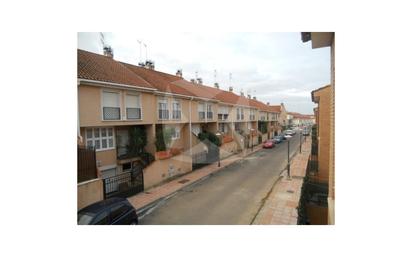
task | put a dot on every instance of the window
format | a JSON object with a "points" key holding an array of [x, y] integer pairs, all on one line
{"points": [[209, 111], [201, 110], [100, 138], [252, 114], [176, 110], [133, 109], [101, 219], [163, 109], [175, 132], [223, 113], [222, 127], [111, 105], [117, 211], [239, 114]]}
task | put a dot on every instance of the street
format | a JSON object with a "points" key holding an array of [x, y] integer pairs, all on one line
{"points": [[230, 196]]}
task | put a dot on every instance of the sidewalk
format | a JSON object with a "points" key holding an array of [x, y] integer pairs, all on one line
{"points": [[147, 198], [280, 206]]}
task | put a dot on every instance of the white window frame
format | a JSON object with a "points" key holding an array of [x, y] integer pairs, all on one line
{"points": [[100, 138], [139, 106], [252, 113], [203, 109], [102, 102], [223, 110], [175, 101], [211, 110], [239, 113], [163, 100]]}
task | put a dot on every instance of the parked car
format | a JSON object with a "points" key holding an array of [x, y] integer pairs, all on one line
{"points": [[278, 139], [112, 211], [306, 132], [290, 132], [268, 144], [282, 136], [288, 136]]}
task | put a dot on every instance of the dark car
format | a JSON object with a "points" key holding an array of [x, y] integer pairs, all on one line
{"points": [[278, 139], [113, 211], [282, 137]]}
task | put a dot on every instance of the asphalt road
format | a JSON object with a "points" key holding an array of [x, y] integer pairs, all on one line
{"points": [[230, 196]]}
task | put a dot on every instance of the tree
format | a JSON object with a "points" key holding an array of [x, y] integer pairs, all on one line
{"points": [[163, 138], [137, 140]]}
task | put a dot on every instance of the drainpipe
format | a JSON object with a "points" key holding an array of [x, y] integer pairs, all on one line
{"points": [[190, 126], [78, 114]]}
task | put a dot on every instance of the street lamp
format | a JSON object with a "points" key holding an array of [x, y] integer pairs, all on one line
{"points": [[288, 161], [252, 131], [218, 150], [300, 141]]}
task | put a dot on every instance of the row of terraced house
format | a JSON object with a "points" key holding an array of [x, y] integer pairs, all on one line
{"points": [[116, 98]]}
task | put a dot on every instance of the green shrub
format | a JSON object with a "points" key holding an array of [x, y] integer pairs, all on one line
{"points": [[147, 158], [210, 137], [163, 138], [137, 140]]}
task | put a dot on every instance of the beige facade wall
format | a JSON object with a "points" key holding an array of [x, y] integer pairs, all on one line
{"points": [[90, 107], [228, 149], [89, 192], [161, 170], [324, 126], [184, 103], [195, 112]]}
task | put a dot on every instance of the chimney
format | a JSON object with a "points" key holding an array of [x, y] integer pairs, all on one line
{"points": [[230, 89], [249, 96], [254, 98], [216, 85], [268, 103], [108, 51], [199, 81], [241, 93], [150, 65], [193, 81], [179, 73]]}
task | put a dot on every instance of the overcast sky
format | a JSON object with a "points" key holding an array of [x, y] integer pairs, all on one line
{"points": [[274, 67]]}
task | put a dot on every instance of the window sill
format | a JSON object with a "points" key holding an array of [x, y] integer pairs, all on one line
{"points": [[106, 149]]}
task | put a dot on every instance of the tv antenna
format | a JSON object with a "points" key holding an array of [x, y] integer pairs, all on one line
{"points": [[140, 50]]}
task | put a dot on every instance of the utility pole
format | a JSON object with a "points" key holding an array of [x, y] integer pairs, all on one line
{"points": [[288, 161]]}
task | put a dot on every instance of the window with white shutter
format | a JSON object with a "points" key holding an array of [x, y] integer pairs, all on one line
{"points": [[133, 107], [163, 109], [201, 110], [111, 105]]}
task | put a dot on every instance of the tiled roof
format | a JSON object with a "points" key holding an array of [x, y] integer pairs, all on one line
{"points": [[158, 80], [261, 106], [297, 115], [101, 68], [276, 108]]}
